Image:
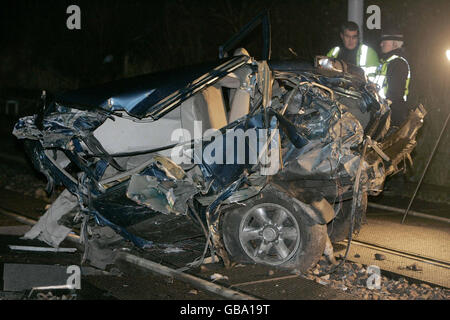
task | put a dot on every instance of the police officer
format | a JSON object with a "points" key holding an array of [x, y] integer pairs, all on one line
{"points": [[393, 74], [355, 52]]}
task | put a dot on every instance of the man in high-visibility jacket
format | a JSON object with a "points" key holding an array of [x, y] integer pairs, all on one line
{"points": [[393, 74], [355, 52]]}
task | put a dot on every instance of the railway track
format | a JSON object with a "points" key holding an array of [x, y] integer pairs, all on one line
{"points": [[432, 261], [404, 257], [244, 283], [409, 255], [397, 264]]}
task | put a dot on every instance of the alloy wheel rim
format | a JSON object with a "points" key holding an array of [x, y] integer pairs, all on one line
{"points": [[269, 234]]}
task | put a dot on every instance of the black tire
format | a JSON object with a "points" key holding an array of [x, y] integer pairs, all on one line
{"points": [[339, 227], [304, 251]]}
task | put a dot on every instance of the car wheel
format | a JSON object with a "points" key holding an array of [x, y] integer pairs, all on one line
{"points": [[269, 230]]}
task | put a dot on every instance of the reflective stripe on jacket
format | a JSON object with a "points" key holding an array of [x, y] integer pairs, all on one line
{"points": [[366, 58], [381, 80]]}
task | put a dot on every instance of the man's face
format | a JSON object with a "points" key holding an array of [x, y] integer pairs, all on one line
{"points": [[350, 39], [387, 46]]}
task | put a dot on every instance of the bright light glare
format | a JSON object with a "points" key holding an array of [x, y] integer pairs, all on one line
{"points": [[448, 54]]}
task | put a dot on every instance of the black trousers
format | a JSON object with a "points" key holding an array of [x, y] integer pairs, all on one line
{"points": [[399, 112]]}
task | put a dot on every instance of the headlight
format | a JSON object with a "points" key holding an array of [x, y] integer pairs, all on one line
{"points": [[327, 63]]}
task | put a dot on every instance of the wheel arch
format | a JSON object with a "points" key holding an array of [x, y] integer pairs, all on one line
{"points": [[318, 210]]}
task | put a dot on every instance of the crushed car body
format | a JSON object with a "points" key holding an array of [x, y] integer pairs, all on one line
{"points": [[272, 160]]}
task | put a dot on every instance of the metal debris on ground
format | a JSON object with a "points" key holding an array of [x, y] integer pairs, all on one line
{"points": [[414, 267], [209, 260], [49, 296], [173, 250], [380, 257], [42, 249], [218, 276]]}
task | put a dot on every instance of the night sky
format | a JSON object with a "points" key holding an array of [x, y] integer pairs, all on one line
{"points": [[39, 51]]}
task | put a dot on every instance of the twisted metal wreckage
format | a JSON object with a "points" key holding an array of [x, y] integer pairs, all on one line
{"points": [[109, 147]]}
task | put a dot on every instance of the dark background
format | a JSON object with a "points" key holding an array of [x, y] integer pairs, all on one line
{"points": [[37, 51]]}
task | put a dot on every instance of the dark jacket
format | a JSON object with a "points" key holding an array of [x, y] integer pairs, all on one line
{"points": [[397, 73], [396, 76]]}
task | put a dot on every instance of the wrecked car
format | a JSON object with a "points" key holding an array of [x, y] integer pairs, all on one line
{"points": [[274, 160]]}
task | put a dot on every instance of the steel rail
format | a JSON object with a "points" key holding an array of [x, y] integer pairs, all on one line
{"points": [[411, 212], [412, 256], [197, 282]]}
